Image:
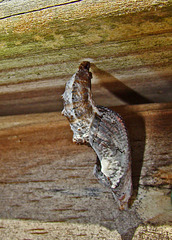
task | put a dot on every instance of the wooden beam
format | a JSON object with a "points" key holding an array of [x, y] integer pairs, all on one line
{"points": [[45, 95], [44, 176], [40, 51], [67, 9], [11, 229]]}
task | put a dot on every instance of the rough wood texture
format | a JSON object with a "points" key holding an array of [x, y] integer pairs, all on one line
{"points": [[72, 9], [44, 176], [40, 50], [40, 230]]}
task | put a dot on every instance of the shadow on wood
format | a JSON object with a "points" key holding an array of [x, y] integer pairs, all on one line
{"points": [[136, 127], [53, 177], [136, 130], [118, 88]]}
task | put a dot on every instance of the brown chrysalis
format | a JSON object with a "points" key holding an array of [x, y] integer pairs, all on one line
{"points": [[104, 130]]}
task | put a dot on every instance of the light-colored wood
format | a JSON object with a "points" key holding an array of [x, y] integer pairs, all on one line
{"points": [[40, 51], [72, 9], [45, 95], [44, 176], [15, 229]]}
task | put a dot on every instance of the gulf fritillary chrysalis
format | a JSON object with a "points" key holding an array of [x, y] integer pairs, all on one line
{"points": [[104, 130]]}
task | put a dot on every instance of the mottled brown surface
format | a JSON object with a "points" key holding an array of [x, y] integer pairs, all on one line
{"points": [[43, 175], [45, 230], [40, 51]]}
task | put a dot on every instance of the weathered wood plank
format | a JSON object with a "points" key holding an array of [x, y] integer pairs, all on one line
{"points": [[130, 53], [132, 39], [9, 8], [44, 95], [44, 176], [36, 33], [10, 229]]}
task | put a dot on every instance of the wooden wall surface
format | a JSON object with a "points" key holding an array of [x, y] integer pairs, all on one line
{"points": [[48, 190], [39, 51]]}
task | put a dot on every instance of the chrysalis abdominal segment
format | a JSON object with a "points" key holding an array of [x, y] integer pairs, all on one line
{"points": [[103, 130]]}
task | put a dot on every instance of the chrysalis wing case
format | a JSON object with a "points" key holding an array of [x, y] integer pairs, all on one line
{"points": [[103, 130]]}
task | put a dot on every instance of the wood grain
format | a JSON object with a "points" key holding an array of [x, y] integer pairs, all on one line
{"points": [[37, 230], [40, 51], [45, 95], [76, 8], [44, 176]]}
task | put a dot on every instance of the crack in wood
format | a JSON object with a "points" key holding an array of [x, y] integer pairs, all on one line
{"points": [[40, 9]]}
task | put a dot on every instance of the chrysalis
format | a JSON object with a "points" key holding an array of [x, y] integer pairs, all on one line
{"points": [[103, 130]]}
